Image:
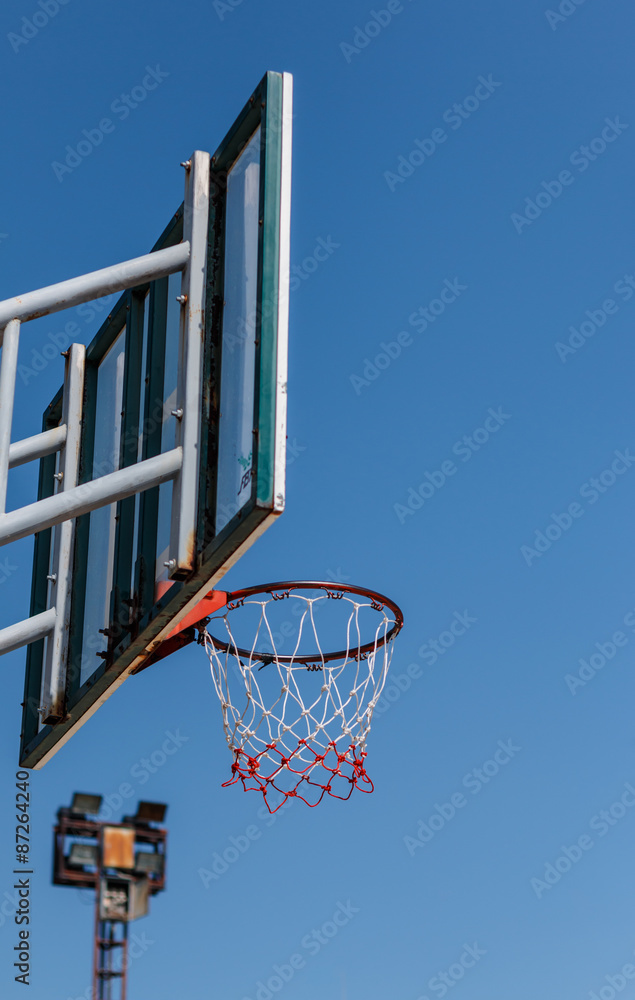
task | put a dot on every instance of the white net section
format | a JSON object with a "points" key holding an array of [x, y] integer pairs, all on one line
{"points": [[297, 723]]}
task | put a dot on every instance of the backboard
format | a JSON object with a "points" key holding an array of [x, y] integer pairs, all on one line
{"points": [[179, 404]]}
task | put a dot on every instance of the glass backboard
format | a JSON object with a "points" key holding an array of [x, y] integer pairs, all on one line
{"points": [[127, 593]]}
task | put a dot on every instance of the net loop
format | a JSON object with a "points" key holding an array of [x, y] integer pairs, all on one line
{"points": [[293, 735]]}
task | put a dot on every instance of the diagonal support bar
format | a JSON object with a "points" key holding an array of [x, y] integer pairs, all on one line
{"points": [[116, 278], [28, 631], [89, 496], [8, 371]]}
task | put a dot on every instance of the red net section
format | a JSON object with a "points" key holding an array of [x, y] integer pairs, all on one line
{"points": [[297, 724]]}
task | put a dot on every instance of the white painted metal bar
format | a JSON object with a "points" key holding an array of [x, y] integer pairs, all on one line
{"points": [[280, 454], [53, 688], [8, 371], [37, 446], [116, 278], [27, 631], [89, 496], [192, 336]]}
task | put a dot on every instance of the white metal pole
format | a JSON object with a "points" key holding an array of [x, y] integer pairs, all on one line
{"points": [[37, 446], [8, 371], [27, 631], [280, 457], [116, 278], [192, 336], [89, 496], [53, 686]]}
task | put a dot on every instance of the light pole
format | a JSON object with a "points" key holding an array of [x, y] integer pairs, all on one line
{"points": [[125, 864]]}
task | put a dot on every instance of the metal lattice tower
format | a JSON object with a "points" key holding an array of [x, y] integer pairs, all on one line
{"points": [[124, 863], [110, 959]]}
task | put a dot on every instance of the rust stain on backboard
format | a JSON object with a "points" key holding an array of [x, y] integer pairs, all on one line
{"points": [[118, 847]]}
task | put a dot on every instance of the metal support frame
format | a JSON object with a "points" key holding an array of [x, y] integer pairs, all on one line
{"points": [[54, 674], [107, 972], [78, 827], [191, 339], [71, 499]]}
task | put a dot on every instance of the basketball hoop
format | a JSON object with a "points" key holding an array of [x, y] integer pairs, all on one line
{"points": [[297, 721]]}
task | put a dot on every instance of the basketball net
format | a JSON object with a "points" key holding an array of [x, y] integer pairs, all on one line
{"points": [[297, 724]]}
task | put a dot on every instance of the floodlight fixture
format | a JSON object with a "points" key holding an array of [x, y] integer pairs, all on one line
{"points": [[149, 862], [85, 804], [84, 854], [150, 812]]}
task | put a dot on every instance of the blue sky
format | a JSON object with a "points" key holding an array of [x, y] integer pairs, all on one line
{"points": [[520, 205]]}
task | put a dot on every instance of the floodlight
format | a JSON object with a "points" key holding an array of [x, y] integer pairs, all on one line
{"points": [[85, 804], [84, 854], [149, 862], [150, 812]]}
